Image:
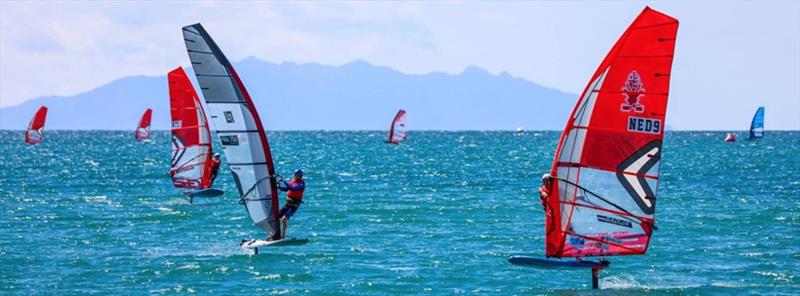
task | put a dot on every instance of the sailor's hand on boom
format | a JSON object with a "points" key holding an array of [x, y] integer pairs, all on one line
{"points": [[284, 186], [277, 178]]}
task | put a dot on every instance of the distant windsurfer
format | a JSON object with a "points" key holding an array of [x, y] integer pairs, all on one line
{"points": [[215, 162], [294, 197]]}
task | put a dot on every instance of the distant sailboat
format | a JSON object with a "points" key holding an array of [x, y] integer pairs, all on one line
{"points": [[397, 130], [757, 125], [191, 162], [605, 173], [34, 134], [143, 128], [730, 137]]}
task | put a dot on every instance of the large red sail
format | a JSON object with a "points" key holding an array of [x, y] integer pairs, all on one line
{"points": [[397, 131], [606, 167], [143, 129], [33, 135], [191, 138]]}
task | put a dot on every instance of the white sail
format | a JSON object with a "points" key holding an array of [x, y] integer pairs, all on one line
{"points": [[238, 127]]}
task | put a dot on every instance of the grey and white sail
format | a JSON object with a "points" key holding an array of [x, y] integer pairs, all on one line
{"points": [[238, 127]]}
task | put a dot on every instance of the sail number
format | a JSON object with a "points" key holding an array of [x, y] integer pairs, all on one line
{"points": [[644, 125]]}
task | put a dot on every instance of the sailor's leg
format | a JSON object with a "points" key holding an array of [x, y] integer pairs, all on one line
{"points": [[211, 181], [284, 223]]}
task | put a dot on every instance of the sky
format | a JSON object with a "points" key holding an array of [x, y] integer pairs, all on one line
{"points": [[730, 58]]}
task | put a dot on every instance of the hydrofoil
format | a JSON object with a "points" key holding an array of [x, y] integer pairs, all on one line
{"points": [[535, 262], [208, 192]]}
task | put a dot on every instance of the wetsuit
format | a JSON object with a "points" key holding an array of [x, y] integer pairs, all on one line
{"points": [[214, 170], [294, 196], [544, 192]]}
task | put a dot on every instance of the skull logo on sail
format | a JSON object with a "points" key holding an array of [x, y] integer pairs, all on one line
{"points": [[633, 91]]}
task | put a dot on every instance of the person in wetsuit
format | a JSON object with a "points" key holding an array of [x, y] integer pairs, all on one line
{"points": [[215, 161], [294, 197], [544, 190]]}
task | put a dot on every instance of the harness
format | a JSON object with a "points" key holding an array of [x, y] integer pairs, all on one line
{"points": [[291, 203]]}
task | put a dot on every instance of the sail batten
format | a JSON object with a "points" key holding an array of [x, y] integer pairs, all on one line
{"points": [[606, 167], [235, 118]]}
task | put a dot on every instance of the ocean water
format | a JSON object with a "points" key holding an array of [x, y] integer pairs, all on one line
{"points": [[95, 213]]}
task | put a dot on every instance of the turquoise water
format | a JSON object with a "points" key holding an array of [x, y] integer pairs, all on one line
{"points": [[94, 212]]}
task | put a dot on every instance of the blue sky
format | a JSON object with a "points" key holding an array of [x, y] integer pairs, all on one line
{"points": [[731, 57]]}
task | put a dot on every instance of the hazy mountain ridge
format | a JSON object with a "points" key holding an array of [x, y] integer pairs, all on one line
{"points": [[353, 96]]}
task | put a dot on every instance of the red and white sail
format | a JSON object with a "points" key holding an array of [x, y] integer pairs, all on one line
{"points": [[143, 129], [238, 127], [606, 168], [191, 138], [397, 131], [34, 133]]}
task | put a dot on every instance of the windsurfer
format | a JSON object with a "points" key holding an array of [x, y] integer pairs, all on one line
{"points": [[544, 190], [215, 162], [294, 197]]}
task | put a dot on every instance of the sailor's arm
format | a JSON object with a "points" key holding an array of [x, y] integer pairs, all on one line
{"points": [[543, 193]]}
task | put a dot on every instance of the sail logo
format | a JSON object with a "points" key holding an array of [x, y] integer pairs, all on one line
{"points": [[232, 140], [178, 148], [185, 182], [177, 123], [644, 125], [633, 91], [576, 241], [615, 221], [632, 174], [228, 116]]}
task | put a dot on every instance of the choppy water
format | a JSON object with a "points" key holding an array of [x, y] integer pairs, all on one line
{"points": [[94, 212]]}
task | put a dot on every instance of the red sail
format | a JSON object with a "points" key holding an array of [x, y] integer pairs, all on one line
{"points": [[143, 129], [191, 138], [33, 134], [606, 166], [397, 131]]}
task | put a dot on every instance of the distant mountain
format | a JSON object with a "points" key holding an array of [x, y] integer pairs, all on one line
{"points": [[353, 96]]}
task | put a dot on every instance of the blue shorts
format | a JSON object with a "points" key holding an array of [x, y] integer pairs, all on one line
{"points": [[287, 211]]}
